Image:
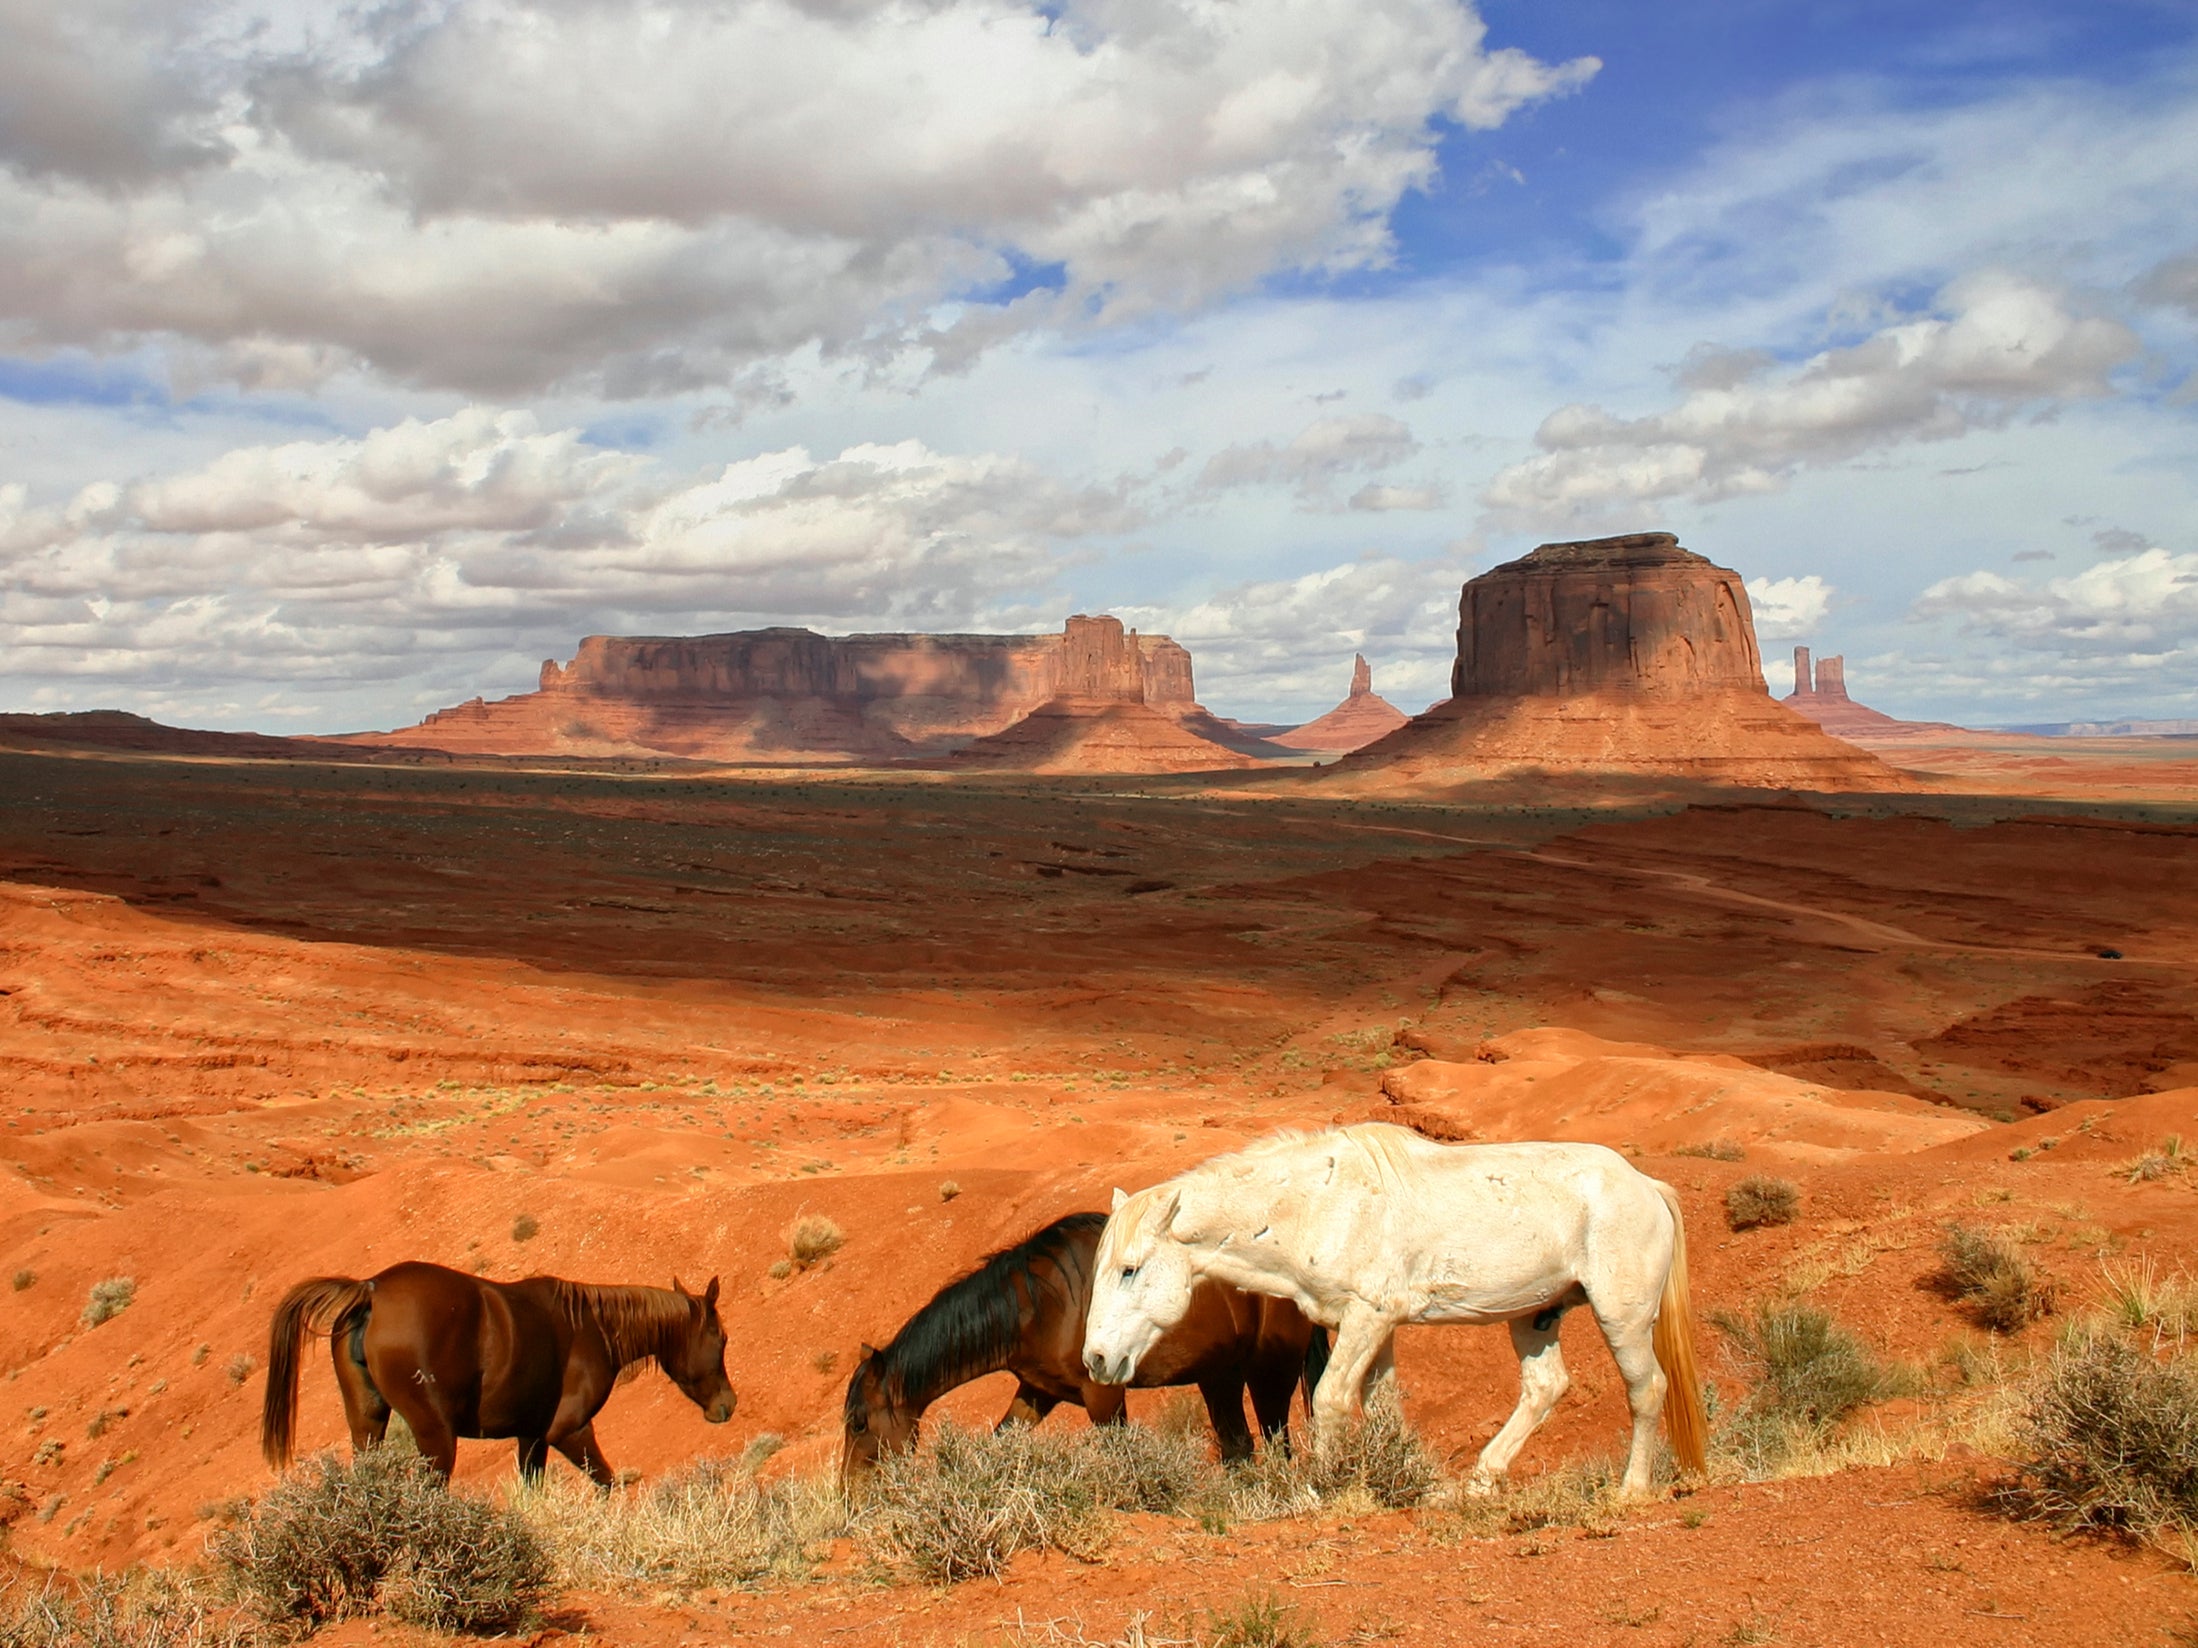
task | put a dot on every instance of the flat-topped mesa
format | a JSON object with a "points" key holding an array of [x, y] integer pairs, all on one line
{"points": [[1625, 656], [1630, 614], [794, 694]]}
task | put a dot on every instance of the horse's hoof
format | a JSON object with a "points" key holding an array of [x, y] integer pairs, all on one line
{"points": [[1482, 1487]]}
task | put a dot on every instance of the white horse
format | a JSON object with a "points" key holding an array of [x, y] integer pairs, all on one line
{"points": [[1367, 1227]]}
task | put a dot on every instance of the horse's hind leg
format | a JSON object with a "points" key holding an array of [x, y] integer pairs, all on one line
{"points": [[1272, 1390], [1224, 1396], [1542, 1381], [533, 1453], [364, 1410], [1633, 1348], [1029, 1407]]}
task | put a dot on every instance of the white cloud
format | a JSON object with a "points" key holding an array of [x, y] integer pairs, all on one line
{"points": [[436, 548], [1788, 608], [1315, 457], [502, 195], [1998, 343], [2139, 609]]}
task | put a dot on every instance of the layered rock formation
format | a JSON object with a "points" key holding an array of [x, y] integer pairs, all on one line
{"points": [[796, 695], [1361, 718], [1104, 716], [1821, 695], [1622, 655]]}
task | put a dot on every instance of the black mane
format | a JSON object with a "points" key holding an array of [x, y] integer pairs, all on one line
{"points": [[974, 1324]]}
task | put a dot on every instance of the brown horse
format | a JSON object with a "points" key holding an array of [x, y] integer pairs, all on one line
{"points": [[1022, 1309], [461, 1356]]}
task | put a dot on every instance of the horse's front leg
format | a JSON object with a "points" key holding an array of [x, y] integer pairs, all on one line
{"points": [[533, 1451], [579, 1447], [1029, 1407], [1106, 1404], [1362, 1338]]}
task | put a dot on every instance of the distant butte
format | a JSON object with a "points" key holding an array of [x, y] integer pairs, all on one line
{"points": [[794, 695], [1626, 655], [1821, 695], [1361, 718]]}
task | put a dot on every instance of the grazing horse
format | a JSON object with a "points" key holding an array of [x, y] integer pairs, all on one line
{"points": [[1022, 1309], [461, 1356], [1367, 1227]]}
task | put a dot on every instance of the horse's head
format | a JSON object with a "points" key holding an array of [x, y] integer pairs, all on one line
{"points": [[873, 1422], [1141, 1283], [695, 1359]]}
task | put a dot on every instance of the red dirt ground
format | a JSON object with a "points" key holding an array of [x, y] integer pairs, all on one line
{"points": [[268, 1019]]}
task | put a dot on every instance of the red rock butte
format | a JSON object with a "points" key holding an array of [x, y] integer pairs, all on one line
{"points": [[1353, 724], [1821, 695], [1624, 655], [792, 694]]}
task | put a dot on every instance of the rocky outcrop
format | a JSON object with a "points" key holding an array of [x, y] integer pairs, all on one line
{"points": [[793, 694], [1821, 695], [1361, 718], [1627, 655], [1103, 717]]}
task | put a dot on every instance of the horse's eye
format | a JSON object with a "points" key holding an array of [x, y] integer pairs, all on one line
{"points": [[858, 1423], [1129, 1272]]}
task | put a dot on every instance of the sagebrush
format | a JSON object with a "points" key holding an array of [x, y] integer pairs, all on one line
{"points": [[383, 1535], [1760, 1199], [1807, 1374], [2110, 1439], [1987, 1272], [144, 1608], [108, 1299]]}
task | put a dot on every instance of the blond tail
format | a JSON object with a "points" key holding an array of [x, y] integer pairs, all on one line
{"points": [[311, 1307], [1684, 1420]]}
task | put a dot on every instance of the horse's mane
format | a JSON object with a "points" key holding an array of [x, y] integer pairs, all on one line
{"points": [[634, 1321], [974, 1323]]}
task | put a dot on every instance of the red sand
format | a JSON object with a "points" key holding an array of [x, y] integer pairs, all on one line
{"points": [[264, 1019]]}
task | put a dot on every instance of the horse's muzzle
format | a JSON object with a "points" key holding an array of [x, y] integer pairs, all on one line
{"points": [[722, 1409], [1097, 1366]]}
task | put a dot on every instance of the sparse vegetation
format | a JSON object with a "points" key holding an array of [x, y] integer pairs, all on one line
{"points": [[1716, 1150], [2139, 1298], [1258, 1620], [525, 1228], [1808, 1374], [949, 1190], [240, 1368], [781, 1269], [1987, 1272], [813, 1239], [108, 1299], [711, 1525], [24, 1279], [2162, 1162], [1761, 1200], [144, 1608], [2110, 1439], [383, 1535], [961, 1507]]}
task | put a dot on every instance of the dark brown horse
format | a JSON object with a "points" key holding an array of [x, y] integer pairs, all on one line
{"points": [[1022, 1309], [461, 1356]]}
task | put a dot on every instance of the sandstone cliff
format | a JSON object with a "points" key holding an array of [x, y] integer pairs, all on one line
{"points": [[792, 694], [1361, 718], [1622, 655]]}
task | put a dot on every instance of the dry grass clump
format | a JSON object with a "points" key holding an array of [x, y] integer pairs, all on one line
{"points": [[1760, 1199], [1988, 1273], [2110, 1440], [383, 1535], [964, 1505], [1258, 1619], [24, 1278], [1808, 1374], [144, 1608], [1717, 1150], [1377, 1459], [949, 1190], [2140, 1299], [710, 1526], [813, 1238], [108, 1300], [525, 1228], [2163, 1162], [1580, 1495]]}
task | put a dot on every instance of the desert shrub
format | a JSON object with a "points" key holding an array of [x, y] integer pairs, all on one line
{"points": [[1717, 1150], [1377, 1455], [1808, 1373], [1761, 1200], [144, 1608], [1988, 1273], [2110, 1439], [1151, 1467], [2138, 1297], [1259, 1619], [108, 1300], [2163, 1162], [964, 1505], [525, 1228], [24, 1278], [814, 1238], [712, 1525], [240, 1367], [384, 1535], [949, 1190]]}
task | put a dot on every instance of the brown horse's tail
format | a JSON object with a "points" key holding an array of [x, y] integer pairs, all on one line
{"points": [[1684, 1419], [313, 1306]]}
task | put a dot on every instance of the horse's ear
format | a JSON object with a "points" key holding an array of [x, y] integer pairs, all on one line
{"points": [[1120, 1196], [868, 1350], [1170, 1208], [709, 1295]]}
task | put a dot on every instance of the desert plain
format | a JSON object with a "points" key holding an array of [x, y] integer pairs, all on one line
{"points": [[269, 1017]]}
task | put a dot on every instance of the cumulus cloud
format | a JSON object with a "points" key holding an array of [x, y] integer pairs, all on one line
{"points": [[501, 195], [2138, 609], [1995, 344], [1788, 608], [1316, 457], [452, 541]]}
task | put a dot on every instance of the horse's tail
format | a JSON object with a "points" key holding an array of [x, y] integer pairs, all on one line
{"points": [[313, 1306], [1316, 1363], [1684, 1419]]}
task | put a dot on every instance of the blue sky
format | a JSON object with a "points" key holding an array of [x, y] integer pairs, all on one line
{"points": [[346, 374]]}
